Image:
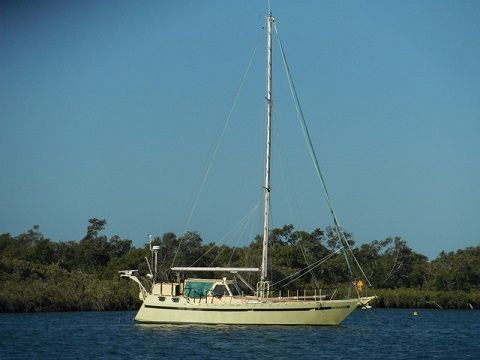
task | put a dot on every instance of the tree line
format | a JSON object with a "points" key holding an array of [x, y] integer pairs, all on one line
{"points": [[38, 274]]}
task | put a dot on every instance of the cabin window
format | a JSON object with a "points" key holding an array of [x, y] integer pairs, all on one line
{"points": [[234, 289], [220, 290], [197, 290], [161, 298], [175, 300]]}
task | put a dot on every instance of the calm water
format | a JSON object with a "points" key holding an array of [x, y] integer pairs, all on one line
{"points": [[376, 333]]}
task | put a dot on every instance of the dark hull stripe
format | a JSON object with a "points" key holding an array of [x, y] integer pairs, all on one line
{"points": [[235, 310]]}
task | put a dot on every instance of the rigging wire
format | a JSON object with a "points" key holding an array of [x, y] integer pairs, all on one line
{"points": [[314, 158], [394, 267], [239, 230], [308, 268], [241, 236], [255, 224], [308, 263], [217, 145], [291, 198], [242, 223]]}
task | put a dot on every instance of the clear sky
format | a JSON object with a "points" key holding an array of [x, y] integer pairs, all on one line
{"points": [[111, 109]]}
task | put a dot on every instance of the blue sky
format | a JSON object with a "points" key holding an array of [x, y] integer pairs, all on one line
{"points": [[110, 109]]}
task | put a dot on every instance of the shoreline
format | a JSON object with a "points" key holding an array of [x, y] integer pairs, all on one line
{"points": [[401, 298]]}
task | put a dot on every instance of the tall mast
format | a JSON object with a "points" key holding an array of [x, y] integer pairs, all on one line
{"points": [[268, 121]]}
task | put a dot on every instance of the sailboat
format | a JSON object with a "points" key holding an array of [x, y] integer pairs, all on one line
{"points": [[222, 300]]}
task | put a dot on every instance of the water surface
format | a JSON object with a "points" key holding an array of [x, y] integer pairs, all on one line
{"points": [[372, 334]]}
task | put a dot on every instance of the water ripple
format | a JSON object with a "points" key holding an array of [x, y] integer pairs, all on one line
{"points": [[375, 334]]}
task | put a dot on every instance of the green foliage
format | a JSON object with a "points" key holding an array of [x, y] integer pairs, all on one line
{"points": [[418, 298], [37, 274], [456, 271], [28, 286]]}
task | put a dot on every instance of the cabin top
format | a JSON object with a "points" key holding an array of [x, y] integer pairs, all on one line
{"points": [[198, 288]]}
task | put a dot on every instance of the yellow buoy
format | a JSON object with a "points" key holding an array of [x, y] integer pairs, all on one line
{"points": [[415, 313]]}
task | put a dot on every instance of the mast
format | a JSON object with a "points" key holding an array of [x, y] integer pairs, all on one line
{"points": [[268, 121]]}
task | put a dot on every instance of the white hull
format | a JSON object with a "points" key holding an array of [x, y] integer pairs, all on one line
{"points": [[245, 312]]}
